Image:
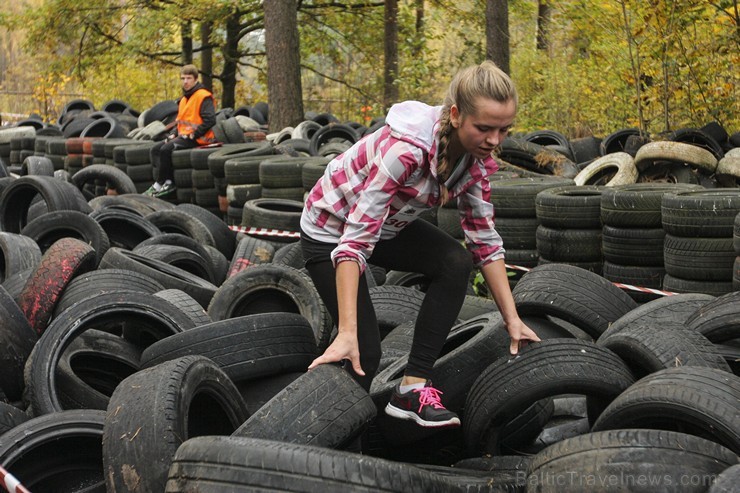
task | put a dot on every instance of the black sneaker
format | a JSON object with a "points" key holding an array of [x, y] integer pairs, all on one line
{"points": [[423, 406], [167, 189]]}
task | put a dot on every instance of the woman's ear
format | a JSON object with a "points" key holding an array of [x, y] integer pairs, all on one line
{"points": [[454, 116]]}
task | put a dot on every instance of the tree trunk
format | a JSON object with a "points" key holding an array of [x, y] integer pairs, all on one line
{"points": [[497, 33], [390, 68], [544, 12], [419, 42], [186, 33], [206, 56], [230, 52], [283, 64]]}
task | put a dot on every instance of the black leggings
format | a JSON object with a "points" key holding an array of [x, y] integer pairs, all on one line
{"points": [[161, 156], [420, 247]]}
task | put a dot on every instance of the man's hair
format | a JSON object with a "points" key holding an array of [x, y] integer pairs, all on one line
{"points": [[189, 70]]}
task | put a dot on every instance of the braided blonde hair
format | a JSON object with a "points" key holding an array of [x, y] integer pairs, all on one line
{"points": [[477, 81]]}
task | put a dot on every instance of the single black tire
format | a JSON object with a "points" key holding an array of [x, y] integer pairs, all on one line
{"points": [[18, 253], [536, 158], [65, 259], [580, 297], [167, 275], [140, 317], [516, 197], [182, 222], [45, 230], [666, 310], [395, 305], [180, 257], [633, 246], [650, 348], [694, 400], [17, 197], [324, 407], [642, 276], [728, 479], [573, 207], [718, 319], [154, 410], [176, 239], [250, 251], [10, 417], [638, 205], [639, 461], [91, 368], [545, 369], [699, 259], [673, 284], [125, 229], [331, 132], [701, 213], [260, 465], [270, 288], [223, 237], [280, 214], [284, 172], [114, 178], [37, 165], [57, 452], [569, 245], [94, 283], [246, 347], [18, 338]]}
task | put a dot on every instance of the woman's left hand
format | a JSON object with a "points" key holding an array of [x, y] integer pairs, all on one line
{"points": [[520, 334]]}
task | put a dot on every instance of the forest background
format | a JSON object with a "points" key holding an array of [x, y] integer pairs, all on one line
{"points": [[582, 67]]}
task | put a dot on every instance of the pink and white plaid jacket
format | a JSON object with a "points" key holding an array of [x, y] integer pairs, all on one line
{"points": [[385, 180]]}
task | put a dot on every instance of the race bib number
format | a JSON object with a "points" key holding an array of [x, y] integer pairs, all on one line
{"points": [[401, 219]]}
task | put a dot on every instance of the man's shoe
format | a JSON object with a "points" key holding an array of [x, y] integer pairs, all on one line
{"points": [[423, 406], [167, 189], [151, 191]]}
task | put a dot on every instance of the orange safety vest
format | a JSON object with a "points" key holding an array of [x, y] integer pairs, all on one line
{"points": [[188, 116]]}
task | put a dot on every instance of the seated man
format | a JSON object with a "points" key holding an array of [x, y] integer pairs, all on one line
{"points": [[195, 116]]}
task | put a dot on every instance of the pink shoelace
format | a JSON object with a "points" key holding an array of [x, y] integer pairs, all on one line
{"points": [[429, 396]]}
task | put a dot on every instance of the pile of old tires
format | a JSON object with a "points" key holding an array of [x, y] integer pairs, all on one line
{"points": [[147, 346]]}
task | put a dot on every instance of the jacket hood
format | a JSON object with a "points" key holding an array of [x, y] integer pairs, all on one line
{"points": [[192, 90], [415, 122]]}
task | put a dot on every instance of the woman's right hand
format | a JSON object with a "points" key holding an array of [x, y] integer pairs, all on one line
{"points": [[344, 347]]}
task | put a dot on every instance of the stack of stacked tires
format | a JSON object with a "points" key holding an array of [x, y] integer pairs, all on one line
{"points": [[698, 252], [139, 165], [56, 151], [281, 177], [16, 146], [633, 235], [14, 134], [242, 184], [569, 230], [204, 186], [98, 151], [217, 163], [109, 152], [515, 217], [79, 154], [182, 168]]}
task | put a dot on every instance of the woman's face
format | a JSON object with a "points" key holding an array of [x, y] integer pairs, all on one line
{"points": [[481, 132]]}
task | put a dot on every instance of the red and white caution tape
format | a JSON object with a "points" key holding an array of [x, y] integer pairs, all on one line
{"points": [[10, 483], [265, 232]]}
